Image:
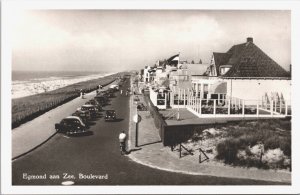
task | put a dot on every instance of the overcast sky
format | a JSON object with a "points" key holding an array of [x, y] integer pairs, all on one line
{"points": [[103, 40]]}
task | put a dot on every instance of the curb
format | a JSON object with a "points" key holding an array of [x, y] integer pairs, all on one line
{"points": [[199, 174], [39, 145]]}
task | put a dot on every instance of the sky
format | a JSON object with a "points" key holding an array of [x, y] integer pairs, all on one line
{"points": [[115, 40]]}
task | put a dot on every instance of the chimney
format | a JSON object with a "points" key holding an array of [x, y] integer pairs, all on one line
{"points": [[249, 39]]}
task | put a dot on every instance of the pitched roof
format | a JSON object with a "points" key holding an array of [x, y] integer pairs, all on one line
{"points": [[248, 60], [220, 58]]}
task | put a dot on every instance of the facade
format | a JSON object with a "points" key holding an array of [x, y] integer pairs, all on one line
{"points": [[244, 72], [242, 80]]}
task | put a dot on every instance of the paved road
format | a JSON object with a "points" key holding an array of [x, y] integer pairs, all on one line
{"points": [[99, 154], [22, 141]]}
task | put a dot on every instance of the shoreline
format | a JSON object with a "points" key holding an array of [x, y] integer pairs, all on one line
{"points": [[36, 86], [27, 108]]}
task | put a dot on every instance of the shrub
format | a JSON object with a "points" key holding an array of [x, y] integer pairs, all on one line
{"points": [[227, 150]]}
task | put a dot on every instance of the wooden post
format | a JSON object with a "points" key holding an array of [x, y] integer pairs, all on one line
{"points": [[243, 108], [192, 102], [280, 106], [271, 107], [229, 107], [286, 108], [275, 106], [188, 98], [200, 106], [214, 106], [184, 97], [179, 150]]}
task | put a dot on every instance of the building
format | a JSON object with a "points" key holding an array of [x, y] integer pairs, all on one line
{"points": [[244, 72]]}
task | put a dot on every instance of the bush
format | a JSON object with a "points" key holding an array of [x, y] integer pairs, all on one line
{"points": [[227, 150], [241, 140]]}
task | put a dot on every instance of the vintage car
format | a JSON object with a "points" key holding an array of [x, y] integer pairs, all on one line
{"points": [[96, 104], [91, 109], [114, 86], [71, 125], [101, 99], [84, 115], [110, 115]]}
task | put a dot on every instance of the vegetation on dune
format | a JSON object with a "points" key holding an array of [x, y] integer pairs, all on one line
{"points": [[27, 108], [265, 144]]}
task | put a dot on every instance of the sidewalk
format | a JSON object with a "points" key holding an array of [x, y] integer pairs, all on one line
{"points": [[33, 133], [155, 155]]}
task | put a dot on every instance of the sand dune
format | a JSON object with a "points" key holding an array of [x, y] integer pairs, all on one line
{"points": [[32, 87]]}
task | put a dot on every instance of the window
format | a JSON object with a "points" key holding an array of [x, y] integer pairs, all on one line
{"points": [[224, 69]]}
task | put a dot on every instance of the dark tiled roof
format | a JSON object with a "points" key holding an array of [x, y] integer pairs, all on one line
{"points": [[248, 60], [220, 58]]}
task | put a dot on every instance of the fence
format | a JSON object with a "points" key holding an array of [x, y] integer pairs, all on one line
{"points": [[235, 107]]}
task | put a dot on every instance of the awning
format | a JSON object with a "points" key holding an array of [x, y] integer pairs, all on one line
{"points": [[219, 87]]}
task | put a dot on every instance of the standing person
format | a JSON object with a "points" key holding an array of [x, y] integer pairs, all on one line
{"points": [[81, 93], [121, 91], [122, 140]]}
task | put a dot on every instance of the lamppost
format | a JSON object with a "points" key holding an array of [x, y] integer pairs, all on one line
{"points": [[136, 119]]}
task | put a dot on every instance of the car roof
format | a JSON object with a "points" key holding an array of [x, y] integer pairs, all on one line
{"points": [[72, 117], [75, 117], [81, 111], [87, 105]]}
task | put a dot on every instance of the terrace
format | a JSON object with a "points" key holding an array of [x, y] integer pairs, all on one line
{"points": [[235, 107], [193, 110]]}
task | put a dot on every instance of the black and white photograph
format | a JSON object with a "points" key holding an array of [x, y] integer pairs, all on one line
{"points": [[134, 96]]}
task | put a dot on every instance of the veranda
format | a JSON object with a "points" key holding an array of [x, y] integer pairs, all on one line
{"points": [[227, 106]]}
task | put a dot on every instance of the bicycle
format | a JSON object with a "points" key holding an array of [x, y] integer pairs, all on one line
{"points": [[122, 148]]}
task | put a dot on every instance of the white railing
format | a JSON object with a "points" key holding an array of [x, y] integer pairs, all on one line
{"points": [[235, 107]]}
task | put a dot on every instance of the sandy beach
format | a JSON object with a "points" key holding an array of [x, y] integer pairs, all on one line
{"points": [[36, 86]]}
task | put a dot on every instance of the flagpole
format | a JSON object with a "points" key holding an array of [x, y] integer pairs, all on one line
{"points": [[178, 115]]}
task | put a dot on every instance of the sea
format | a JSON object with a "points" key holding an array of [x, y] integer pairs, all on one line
{"points": [[25, 83]]}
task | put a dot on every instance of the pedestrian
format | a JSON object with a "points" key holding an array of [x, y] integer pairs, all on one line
{"points": [[121, 91], [122, 140], [81, 93]]}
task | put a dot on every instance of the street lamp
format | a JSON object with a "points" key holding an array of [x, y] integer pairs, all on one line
{"points": [[136, 119]]}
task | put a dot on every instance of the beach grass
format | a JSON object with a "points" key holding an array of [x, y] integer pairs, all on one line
{"points": [[272, 134], [27, 108]]}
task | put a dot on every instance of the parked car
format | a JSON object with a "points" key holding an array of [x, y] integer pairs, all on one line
{"points": [[110, 115], [115, 87], [84, 115], [91, 109], [101, 99], [96, 104], [71, 125]]}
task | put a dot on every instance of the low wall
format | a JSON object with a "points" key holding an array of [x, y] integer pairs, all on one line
{"points": [[158, 119]]}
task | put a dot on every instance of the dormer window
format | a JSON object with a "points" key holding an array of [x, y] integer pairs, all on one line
{"points": [[224, 69]]}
